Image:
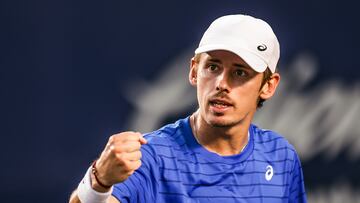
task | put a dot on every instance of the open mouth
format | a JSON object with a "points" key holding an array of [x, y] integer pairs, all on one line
{"points": [[221, 104]]}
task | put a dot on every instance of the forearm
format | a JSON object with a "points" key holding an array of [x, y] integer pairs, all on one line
{"points": [[89, 191], [75, 199]]}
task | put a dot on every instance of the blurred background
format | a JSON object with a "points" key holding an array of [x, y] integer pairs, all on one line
{"points": [[72, 73]]}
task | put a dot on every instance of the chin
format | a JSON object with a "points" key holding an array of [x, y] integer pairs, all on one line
{"points": [[222, 122]]}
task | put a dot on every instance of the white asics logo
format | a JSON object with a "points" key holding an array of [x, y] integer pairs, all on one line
{"points": [[269, 173]]}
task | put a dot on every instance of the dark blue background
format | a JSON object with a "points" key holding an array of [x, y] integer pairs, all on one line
{"points": [[64, 63]]}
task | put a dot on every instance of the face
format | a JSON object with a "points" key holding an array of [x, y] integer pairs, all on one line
{"points": [[227, 88]]}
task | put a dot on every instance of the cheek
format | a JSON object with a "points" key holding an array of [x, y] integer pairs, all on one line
{"points": [[202, 75], [248, 93], [246, 97], [204, 88], [201, 89]]}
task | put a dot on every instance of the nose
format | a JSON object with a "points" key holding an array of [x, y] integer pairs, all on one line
{"points": [[223, 83]]}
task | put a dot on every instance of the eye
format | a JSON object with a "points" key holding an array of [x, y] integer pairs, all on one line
{"points": [[213, 67], [240, 73]]}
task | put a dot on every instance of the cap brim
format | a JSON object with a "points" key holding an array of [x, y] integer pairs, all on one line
{"points": [[254, 61]]}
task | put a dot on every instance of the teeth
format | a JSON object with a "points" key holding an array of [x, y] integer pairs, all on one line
{"points": [[220, 104]]}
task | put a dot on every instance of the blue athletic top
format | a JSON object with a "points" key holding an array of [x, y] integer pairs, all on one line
{"points": [[176, 168]]}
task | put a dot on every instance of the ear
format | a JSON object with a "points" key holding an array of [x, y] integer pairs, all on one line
{"points": [[193, 72], [269, 88]]}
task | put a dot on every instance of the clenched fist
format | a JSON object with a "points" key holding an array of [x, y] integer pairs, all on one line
{"points": [[120, 158]]}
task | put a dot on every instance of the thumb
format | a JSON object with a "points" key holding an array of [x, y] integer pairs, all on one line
{"points": [[142, 140]]}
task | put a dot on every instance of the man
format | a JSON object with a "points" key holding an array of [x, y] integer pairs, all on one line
{"points": [[216, 154]]}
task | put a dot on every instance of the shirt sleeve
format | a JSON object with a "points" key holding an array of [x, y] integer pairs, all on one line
{"points": [[297, 187], [140, 186]]}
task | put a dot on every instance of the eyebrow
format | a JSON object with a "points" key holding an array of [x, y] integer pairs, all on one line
{"points": [[240, 65], [234, 64], [215, 60]]}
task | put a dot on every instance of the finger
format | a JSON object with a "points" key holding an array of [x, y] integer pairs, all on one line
{"points": [[128, 166], [130, 146], [124, 135], [131, 136], [142, 140], [133, 156], [134, 165], [136, 136]]}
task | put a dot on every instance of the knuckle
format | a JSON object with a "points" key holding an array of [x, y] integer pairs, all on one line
{"points": [[125, 140], [118, 149], [111, 139], [125, 134], [113, 149]]}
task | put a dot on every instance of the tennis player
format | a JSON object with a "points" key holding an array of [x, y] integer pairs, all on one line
{"points": [[216, 154]]}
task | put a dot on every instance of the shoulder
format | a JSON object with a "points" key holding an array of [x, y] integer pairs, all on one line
{"points": [[168, 137], [167, 133], [271, 142]]}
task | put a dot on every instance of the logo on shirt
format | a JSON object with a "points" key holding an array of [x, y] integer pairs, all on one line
{"points": [[269, 173]]}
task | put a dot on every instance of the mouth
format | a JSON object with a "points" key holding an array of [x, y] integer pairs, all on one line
{"points": [[220, 104]]}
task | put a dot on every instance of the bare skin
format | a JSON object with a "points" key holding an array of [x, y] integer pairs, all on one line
{"points": [[227, 91]]}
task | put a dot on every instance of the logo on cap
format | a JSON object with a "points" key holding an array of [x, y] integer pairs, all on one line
{"points": [[262, 47]]}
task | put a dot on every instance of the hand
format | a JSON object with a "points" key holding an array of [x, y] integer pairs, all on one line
{"points": [[120, 158]]}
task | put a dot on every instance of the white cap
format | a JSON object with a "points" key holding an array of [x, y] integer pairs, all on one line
{"points": [[250, 38]]}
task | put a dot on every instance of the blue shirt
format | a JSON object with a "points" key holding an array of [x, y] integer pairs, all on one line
{"points": [[176, 168]]}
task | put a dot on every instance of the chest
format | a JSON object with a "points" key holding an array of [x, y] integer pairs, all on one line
{"points": [[194, 178]]}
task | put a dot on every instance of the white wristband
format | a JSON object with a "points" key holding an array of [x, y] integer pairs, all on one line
{"points": [[87, 194]]}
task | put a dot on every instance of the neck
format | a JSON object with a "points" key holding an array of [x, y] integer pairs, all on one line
{"points": [[224, 141]]}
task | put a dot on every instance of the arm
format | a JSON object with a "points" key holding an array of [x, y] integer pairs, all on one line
{"points": [[120, 158]]}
